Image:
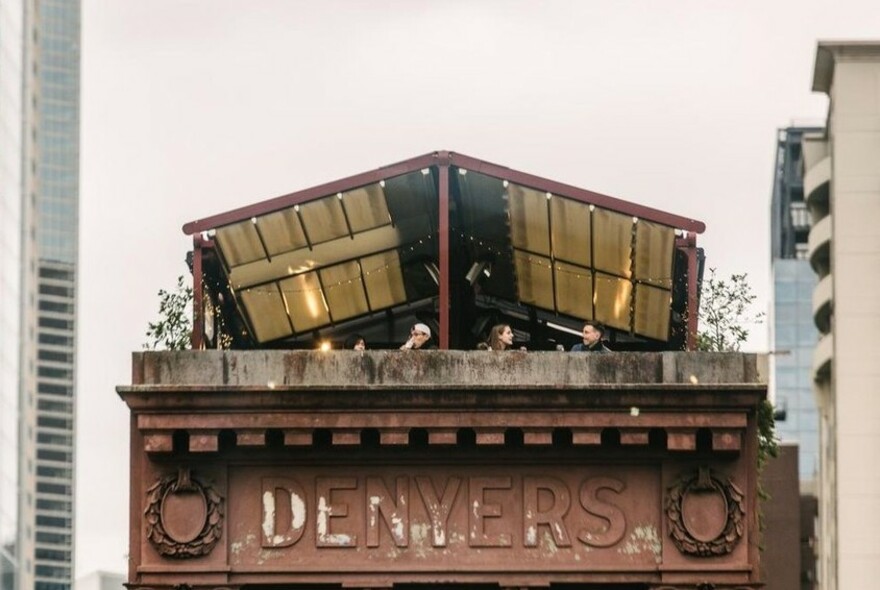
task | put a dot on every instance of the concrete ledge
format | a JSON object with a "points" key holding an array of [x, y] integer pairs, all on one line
{"points": [[475, 369]]}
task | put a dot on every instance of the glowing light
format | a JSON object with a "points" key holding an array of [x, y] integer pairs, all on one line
{"points": [[382, 183], [634, 411], [506, 184], [426, 171], [254, 220], [549, 196], [339, 196], [592, 207], [325, 346], [462, 171]]}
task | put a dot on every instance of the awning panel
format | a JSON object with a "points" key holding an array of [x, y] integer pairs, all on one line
{"points": [[652, 312], [383, 278], [612, 242], [324, 220], [653, 260], [240, 243], [534, 279], [613, 298], [344, 291], [571, 232], [366, 208], [267, 312], [305, 301], [528, 220], [574, 290], [281, 232]]}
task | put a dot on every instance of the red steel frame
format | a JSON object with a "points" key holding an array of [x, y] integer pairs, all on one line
{"points": [[444, 160]]}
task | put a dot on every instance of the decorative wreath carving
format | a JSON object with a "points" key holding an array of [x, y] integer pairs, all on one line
{"points": [[676, 512], [202, 536]]}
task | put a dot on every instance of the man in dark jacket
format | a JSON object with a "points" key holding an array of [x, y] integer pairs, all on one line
{"points": [[592, 333]]}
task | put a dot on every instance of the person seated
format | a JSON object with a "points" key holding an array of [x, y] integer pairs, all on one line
{"points": [[355, 342], [500, 337], [592, 334], [419, 338]]}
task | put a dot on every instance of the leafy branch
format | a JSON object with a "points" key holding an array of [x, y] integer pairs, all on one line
{"points": [[173, 328], [725, 313]]}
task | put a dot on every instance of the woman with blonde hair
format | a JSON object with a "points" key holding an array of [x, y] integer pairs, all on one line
{"points": [[500, 337]]}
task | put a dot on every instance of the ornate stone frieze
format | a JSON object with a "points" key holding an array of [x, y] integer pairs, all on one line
{"points": [[184, 517], [706, 515]]}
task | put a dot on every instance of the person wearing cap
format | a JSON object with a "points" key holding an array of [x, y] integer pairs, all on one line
{"points": [[592, 335], [419, 338]]}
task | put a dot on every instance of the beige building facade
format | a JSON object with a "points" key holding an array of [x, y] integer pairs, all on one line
{"points": [[842, 190]]}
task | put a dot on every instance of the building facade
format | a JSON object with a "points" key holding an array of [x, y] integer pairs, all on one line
{"points": [[842, 189], [266, 469], [39, 176], [11, 257], [793, 334]]}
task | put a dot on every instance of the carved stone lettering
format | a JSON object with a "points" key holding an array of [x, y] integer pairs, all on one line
{"points": [[284, 512], [328, 510], [610, 513], [479, 511], [438, 509], [549, 513], [394, 513]]}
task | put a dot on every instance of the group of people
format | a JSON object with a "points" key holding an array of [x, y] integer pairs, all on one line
{"points": [[500, 338]]}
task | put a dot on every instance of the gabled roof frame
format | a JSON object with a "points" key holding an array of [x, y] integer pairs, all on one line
{"points": [[443, 160]]}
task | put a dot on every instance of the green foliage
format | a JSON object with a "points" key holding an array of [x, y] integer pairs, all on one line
{"points": [[725, 318], [725, 313], [768, 444], [173, 328]]}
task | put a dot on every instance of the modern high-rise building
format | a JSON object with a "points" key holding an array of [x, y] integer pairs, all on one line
{"points": [[11, 258], [39, 194], [842, 191], [792, 331], [793, 337]]}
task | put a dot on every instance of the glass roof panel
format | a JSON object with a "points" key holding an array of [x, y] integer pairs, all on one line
{"points": [[652, 312], [281, 231], [574, 290], [266, 312], [344, 291], [612, 242], [326, 254], [323, 220], [239, 243], [534, 279], [654, 249], [383, 278], [613, 298], [529, 228], [305, 300], [570, 223], [366, 208]]}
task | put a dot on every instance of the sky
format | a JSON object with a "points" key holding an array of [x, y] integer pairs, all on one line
{"points": [[194, 107]]}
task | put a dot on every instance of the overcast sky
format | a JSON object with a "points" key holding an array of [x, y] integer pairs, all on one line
{"points": [[195, 107]]}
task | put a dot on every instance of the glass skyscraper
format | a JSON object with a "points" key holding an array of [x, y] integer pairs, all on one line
{"points": [[793, 333], [39, 203]]}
